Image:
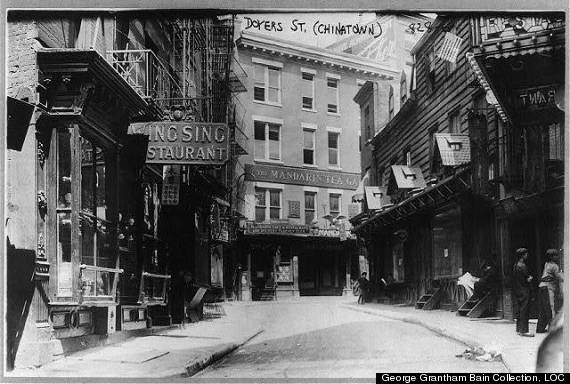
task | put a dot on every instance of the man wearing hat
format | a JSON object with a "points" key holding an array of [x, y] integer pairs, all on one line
{"points": [[521, 291], [548, 290]]}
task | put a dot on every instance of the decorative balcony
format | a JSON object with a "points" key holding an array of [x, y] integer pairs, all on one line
{"points": [[147, 75]]}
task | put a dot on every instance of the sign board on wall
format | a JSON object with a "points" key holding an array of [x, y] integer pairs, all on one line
{"points": [[170, 184], [294, 209], [301, 176], [184, 142], [505, 26]]}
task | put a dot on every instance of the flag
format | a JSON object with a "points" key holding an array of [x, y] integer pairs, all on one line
{"points": [[450, 48]]}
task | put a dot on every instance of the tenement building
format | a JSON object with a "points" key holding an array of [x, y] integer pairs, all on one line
{"points": [[471, 167], [108, 228], [302, 167]]}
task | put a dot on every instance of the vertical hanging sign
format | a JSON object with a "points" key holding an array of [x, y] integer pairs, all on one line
{"points": [[170, 184]]}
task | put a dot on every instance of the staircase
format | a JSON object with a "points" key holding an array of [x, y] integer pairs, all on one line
{"points": [[429, 301], [476, 307]]}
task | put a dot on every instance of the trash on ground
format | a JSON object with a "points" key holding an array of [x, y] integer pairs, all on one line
{"points": [[489, 353]]}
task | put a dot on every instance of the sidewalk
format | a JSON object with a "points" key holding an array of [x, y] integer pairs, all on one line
{"points": [[519, 353], [172, 353]]}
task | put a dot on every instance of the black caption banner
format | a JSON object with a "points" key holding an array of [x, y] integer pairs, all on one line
{"points": [[407, 378]]}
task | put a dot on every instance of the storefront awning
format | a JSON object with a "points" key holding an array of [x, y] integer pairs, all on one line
{"points": [[491, 94], [430, 198], [454, 149]]}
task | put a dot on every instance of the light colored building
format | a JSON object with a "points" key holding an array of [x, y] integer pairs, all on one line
{"points": [[303, 162]]}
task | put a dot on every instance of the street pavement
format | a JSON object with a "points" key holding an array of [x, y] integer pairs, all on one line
{"points": [[306, 338], [323, 339]]}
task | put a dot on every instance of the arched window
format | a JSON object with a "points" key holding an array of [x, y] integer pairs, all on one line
{"points": [[403, 88], [391, 103]]}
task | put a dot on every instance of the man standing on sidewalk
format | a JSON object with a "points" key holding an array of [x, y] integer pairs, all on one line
{"points": [[362, 287], [521, 291]]}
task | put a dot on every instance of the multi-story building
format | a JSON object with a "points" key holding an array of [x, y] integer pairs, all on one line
{"points": [[303, 163], [400, 33], [464, 175], [99, 238]]}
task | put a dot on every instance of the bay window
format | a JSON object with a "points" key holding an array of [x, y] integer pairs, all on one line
{"points": [[84, 208]]}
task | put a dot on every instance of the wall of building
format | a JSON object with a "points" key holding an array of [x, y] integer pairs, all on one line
{"points": [[292, 115]]}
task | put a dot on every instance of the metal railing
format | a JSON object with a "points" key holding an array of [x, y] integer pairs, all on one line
{"points": [[146, 73]]}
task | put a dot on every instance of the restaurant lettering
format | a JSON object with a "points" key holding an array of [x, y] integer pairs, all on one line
{"points": [[537, 97], [184, 142], [300, 176]]}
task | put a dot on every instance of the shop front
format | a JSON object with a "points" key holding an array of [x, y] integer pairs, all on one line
{"points": [[523, 63], [286, 260]]}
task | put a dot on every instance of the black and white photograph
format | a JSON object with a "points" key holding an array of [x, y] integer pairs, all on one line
{"points": [[293, 193]]}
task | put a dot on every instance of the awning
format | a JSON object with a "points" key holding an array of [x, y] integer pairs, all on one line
{"points": [[491, 96], [431, 197], [454, 149], [408, 177]]}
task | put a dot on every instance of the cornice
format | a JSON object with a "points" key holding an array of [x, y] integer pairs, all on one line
{"points": [[307, 54]]}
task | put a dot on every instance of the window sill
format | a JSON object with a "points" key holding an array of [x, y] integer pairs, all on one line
{"points": [[268, 161], [268, 103], [335, 168], [310, 166], [336, 114], [309, 110]]}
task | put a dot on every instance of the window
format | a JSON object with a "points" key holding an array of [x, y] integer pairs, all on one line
{"points": [[333, 149], [432, 145], [63, 212], [451, 66], [94, 224], [267, 204], [380, 176], [430, 70], [267, 83], [407, 155], [267, 140], [403, 89], [308, 146], [334, 204], [332, 95], [555, 144], [310, 207], [368, 123], [82, 183], [454, 122], [308, 90], [391, 103]]}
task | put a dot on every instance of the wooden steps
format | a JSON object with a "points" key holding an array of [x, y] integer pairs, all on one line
{"points": [[429, 301], [477, 307]]}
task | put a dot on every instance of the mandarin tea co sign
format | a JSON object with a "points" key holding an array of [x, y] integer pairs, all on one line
{"points": [[301, 176], [184, 142]]}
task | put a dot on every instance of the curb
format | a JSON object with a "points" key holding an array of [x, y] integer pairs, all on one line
{"points": [[439, 331], [199, 364]]}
